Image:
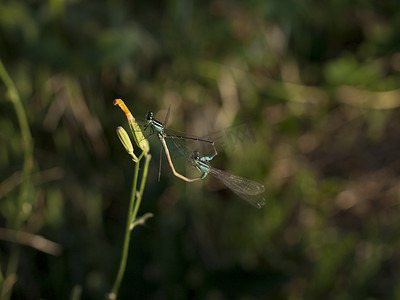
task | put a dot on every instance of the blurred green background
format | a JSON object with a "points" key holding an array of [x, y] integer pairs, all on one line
{"points": [[317, 83]]}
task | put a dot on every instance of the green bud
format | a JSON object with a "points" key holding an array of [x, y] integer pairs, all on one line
{"points": [[140, 140], [126, 141], [136, 131]]}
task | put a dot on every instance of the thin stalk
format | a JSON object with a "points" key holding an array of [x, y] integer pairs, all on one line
{"points": [[164, 144], [142, 184], [125, 248], [27, 140], [27, 145], [136, 197]]}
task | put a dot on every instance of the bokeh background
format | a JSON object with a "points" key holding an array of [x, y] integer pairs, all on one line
{"points": [[315, 83]]}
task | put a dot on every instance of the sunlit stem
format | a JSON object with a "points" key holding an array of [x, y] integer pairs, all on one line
{"points": [[142, 184], [141, 220], [125, 247], [136, 196]]}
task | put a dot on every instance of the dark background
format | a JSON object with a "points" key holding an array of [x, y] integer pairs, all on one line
{"points": [[316, 83]]}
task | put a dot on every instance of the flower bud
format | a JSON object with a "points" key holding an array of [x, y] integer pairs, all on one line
{"points": [[140, 140], [126, 141]]}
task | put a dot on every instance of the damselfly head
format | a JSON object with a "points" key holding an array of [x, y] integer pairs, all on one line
{"points": [[150, 116], [196, 155]]}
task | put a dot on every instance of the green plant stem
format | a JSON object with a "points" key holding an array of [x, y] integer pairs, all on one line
{"points": [[27, 145], [132, 211], [125, 247], [142, 184], [27, 141]]}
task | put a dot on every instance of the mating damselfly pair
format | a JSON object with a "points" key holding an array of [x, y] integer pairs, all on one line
{"points": [[246, 189]]}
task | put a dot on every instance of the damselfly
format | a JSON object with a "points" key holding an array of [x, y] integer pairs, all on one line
{"points": [[161, 128], [164, 132], [246, 189]]}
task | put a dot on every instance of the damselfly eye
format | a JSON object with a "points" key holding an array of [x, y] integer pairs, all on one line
{"points": [[196, 155], [149, 116]]}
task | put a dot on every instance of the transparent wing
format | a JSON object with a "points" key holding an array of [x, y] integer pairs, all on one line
{"points": [[171, 133], [246, 189], [186, 144], [242, 185], [185, 150]]}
